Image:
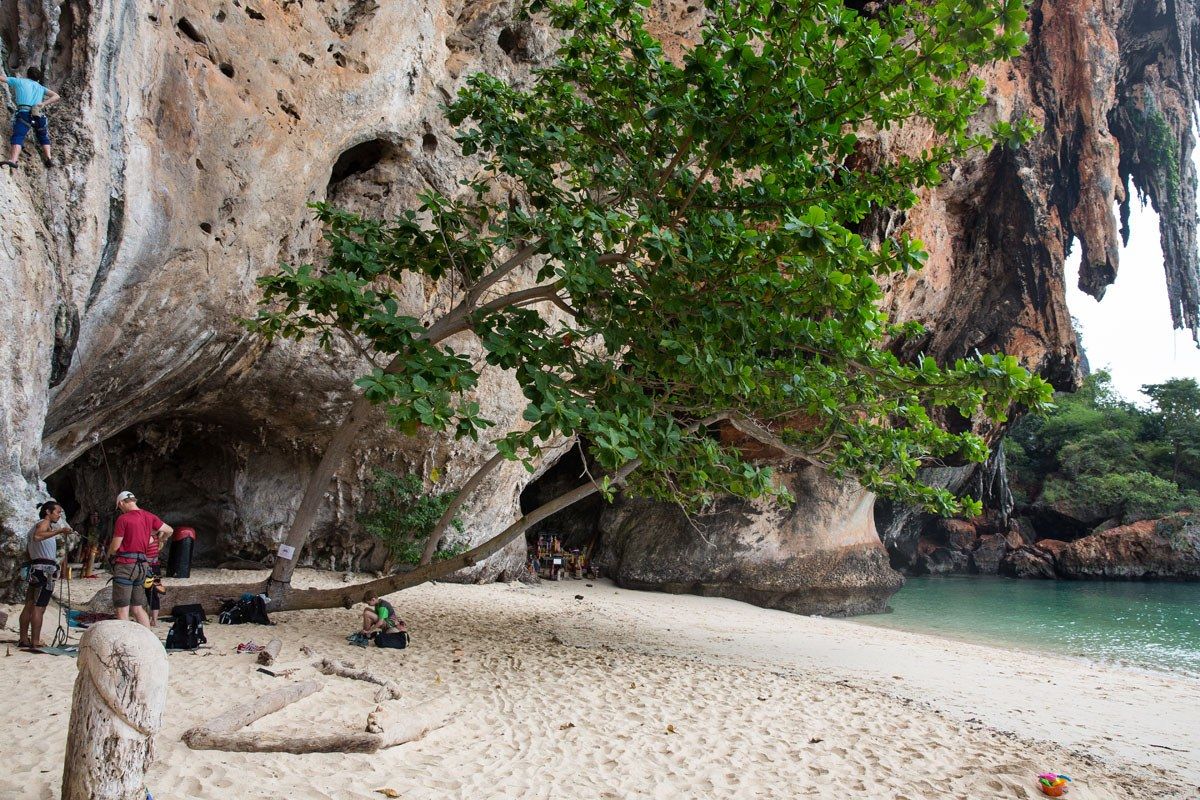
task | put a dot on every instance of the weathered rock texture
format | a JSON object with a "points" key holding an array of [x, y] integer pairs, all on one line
{"points": [[1114, 87], [192, 134], [821, 556], [1165, 549]]}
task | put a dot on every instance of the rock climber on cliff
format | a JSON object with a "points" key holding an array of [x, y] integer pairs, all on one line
{"points": [[31, 98]]}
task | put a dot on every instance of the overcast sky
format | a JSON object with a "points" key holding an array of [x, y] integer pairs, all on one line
{"points": [[1129, 332]]}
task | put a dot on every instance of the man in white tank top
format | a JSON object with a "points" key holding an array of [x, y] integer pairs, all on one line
{"points": [[43, 568]]}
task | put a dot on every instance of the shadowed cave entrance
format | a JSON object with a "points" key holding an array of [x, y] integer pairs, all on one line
{"points": [[185, 472], [577, 526]]}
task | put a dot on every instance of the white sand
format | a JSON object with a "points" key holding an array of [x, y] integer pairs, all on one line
{"points": [[630, 694]]}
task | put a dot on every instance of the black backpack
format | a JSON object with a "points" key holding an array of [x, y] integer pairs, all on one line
{"points": [[394, 639], [187, 631], [248, 609]]}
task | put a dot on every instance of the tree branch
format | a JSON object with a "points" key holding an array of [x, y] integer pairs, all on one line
{"points": [[439, 530]]}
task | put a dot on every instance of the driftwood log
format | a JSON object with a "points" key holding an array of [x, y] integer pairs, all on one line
{"points": [[386, 727], [116, 709], [399, 724], [222, 733], [389, 690], [270, 652]]}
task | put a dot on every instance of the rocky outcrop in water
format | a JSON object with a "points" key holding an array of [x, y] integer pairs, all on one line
{"points": [[820, 556], [193, 134], [1164, 549]]}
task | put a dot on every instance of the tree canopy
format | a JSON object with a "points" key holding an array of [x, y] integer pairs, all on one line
{"points": [[1096, 449], [654, 245]]}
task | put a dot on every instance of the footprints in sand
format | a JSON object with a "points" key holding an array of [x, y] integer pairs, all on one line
{"points": [[564, 719]]}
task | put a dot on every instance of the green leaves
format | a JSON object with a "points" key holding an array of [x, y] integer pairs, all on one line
{"points": [[402, 514], [1105, 457], [697, 223]]}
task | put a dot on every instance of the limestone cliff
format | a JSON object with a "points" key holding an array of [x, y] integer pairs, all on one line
{"points": [[193, 134]]}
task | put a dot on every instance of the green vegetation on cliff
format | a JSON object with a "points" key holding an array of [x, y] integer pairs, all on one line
{"points": [[401, 513], [1098, 451]]}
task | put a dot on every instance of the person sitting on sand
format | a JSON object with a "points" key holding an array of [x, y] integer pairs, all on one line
{"points": [[380, 616], [43, 568]]}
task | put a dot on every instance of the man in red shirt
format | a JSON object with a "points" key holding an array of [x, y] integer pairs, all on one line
{"points": [[130, 549]]}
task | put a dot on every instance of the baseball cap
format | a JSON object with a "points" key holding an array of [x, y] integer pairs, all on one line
{"points": [[123, 496]]}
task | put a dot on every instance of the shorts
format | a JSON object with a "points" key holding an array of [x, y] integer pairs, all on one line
{"points": [[23, 121], [41, 583], [128, 588]]}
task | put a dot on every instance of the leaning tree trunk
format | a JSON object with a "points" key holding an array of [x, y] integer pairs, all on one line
{"points": [[210, 596], [116, 710], [278, 586]]}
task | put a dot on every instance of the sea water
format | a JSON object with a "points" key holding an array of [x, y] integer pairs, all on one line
{"points": [[1153, 625]]}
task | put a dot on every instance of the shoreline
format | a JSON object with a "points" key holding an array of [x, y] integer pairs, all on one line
{"points": [[1006, 689], [638, 694], [1150, 662], [1032, 650]]}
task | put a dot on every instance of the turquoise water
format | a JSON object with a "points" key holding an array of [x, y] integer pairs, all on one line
{"points": [[1153, 625]]}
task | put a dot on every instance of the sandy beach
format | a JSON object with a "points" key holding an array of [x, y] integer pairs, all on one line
{"points": [[632, 694]]}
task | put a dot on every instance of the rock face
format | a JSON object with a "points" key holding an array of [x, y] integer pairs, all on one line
{"points": [[1153, 549], [1114, 87], [1165, 549], [193, 134], [821, 556], [1027, 563]]}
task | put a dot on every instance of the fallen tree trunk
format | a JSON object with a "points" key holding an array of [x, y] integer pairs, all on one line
{"points": [[216, 731], [116, 709], [259, 742], [208, 595], [270, 652]]}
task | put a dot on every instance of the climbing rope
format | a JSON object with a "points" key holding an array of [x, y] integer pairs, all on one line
{"points": [[62, 636]]}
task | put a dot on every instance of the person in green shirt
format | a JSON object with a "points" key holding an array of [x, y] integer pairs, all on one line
{"points": [[380, 615]]}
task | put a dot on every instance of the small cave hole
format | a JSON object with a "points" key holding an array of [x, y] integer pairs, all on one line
{"points": [[429, 143], [206, 227], [358, 159], [189, 30], [226, 70], [220, 15], [508, 40], [254, 13], [199, 164], [307, 59]]}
